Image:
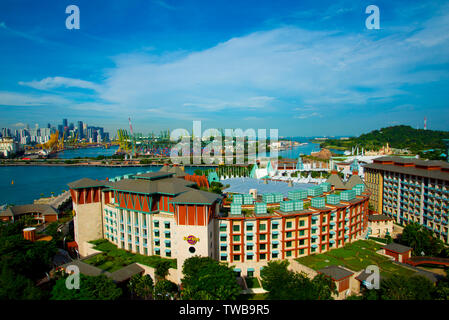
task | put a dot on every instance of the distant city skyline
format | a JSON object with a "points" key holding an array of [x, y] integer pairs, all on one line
{"points": [[307, 68]]}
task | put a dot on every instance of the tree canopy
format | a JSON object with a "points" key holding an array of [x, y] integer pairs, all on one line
{"points": [[421, 240], [284, 284], [91, 288], [208, 279]]}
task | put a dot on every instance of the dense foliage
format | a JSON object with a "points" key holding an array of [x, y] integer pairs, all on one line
{"points": [[141, 286], [208, 279], [283, 284], [91, 288], [399, 287], [399, 137], [22, 263], [422, 241]]}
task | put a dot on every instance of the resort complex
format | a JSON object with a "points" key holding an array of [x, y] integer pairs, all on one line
{"points": [[164, 213]]}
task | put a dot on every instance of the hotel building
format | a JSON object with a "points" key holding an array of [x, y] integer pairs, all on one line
{"points": [[157, 213], [411, 190]]}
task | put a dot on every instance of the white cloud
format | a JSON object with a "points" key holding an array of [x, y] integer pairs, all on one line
{"points": [[261, 71], [19, 99], [58, 82]]}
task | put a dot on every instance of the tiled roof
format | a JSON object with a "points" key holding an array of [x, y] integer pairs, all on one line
{"points": [[335, 272], [378, 217], [434, 174], [197, 196], [43, 209], [396, 247], [87, 183]]}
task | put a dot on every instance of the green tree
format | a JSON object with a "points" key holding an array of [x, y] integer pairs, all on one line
{"points": [[91, 288], [208, 279], [141, 286], [14, 286], [162, 269], [284, 284], [421, 240], [399, 287], [165, 290]]}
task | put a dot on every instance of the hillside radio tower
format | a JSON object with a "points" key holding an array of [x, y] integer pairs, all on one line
{"points": [[425, 123]]}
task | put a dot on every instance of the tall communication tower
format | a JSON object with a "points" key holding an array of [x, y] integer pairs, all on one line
{"points": [[425, 123]]}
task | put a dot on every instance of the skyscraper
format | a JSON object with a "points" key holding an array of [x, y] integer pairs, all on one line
{"points": [[79, 127]]}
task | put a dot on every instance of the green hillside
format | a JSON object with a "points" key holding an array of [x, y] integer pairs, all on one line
{"points": [[399, 137]]}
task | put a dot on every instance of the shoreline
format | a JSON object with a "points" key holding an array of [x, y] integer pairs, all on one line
{"points": [[96, 165]]}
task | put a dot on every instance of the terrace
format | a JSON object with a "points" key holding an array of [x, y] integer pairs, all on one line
{"points": [[112, 258], [356, 256]]}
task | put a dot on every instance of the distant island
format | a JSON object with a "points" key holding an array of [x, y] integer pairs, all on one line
{"points": [[426, 143]]}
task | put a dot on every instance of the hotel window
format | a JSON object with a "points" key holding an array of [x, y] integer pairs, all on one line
{"points": [[288, 253], [301, 251], [236, 228], [237, 257], [136, 218], [128, 217], [249, 247], [323, 247], [130, 246], [129, 238], [167, 225], [249, 257], [249, 238], [137, 249], [223, 258], [301, 242], [145, 251], [168, 244], [157, 242], [302, 223], [323, 229], [302, 232], [222, 238], [223, 248], [168, 254], [275, 245], [263, 256], [167, 235], [263, 246], [223, 228], [323, 238], [275, 226], [262, 237], [236, 238], [123, 244], [129, 229], [136, 231], [289, 234], [288, 244], [262, 227], [156, 233], [249, 228], [156, 224], [274, 255], [236, 247], [324, 219], [289, 224], [313, 250]]}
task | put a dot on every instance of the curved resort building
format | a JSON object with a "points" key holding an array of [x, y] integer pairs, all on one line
{"points": [[162, 213]]}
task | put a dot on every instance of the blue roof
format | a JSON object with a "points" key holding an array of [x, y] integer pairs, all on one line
{"points": [[243, 185]]}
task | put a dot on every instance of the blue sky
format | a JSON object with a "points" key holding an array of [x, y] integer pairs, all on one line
{"points": [[304, 67]]}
